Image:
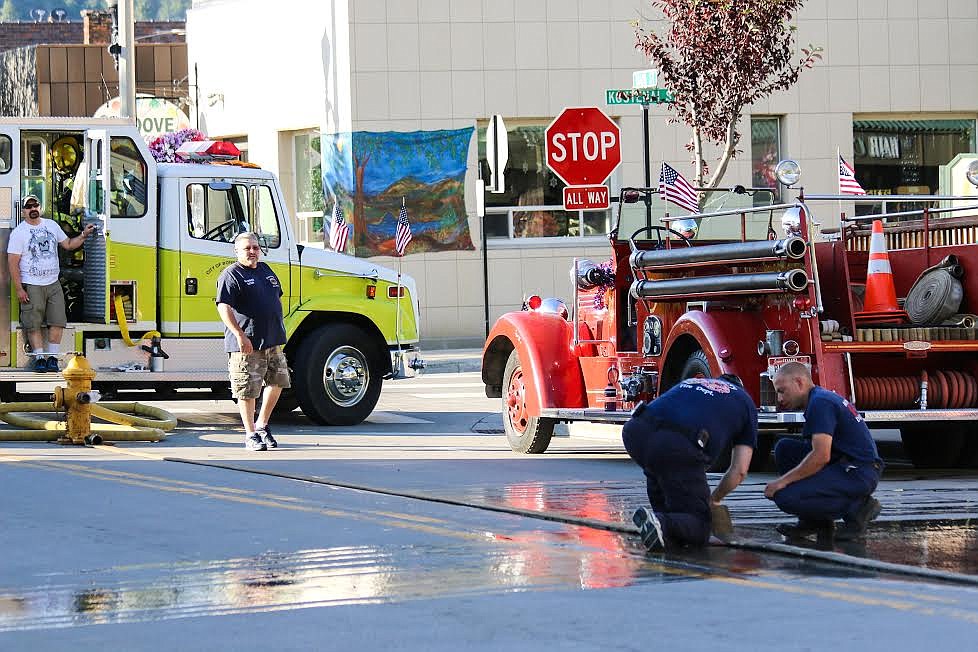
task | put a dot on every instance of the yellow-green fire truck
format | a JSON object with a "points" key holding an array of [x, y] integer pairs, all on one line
{"points": [[140, 295]]}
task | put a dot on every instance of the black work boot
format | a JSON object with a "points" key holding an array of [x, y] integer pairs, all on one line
{"points": [[855, 525], [805, 528]]}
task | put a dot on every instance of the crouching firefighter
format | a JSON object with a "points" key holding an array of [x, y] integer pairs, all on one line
{"points": [[675, 439]]}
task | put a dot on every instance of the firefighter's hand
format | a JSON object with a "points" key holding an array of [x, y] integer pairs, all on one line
{"points": [[22, 296], [773, 488], [89, 230], [244, 343]]}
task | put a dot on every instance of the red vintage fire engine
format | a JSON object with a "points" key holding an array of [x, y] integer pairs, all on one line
{"points": [[684, 298]]}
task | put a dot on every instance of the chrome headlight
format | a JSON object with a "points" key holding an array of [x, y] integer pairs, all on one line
{"points": [[788, 172], [555, 306]]}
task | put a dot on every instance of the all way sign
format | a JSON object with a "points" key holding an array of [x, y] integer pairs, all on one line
{"points": [[586, 198]]}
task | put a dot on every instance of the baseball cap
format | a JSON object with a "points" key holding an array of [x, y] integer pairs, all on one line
{"points": [[27, 198]]}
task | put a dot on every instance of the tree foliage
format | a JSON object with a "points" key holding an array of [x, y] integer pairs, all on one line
{"points": [[717, 57], [145, 9]]}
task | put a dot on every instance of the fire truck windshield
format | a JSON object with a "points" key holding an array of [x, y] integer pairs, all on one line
{"points": [[633, 216]]}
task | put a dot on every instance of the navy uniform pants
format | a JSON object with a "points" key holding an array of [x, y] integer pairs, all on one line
{"points": [[675, 472], [836, 491]]}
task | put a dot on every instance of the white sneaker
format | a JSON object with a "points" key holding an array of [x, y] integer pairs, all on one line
{"points": [[649, 528], [253, 442]]}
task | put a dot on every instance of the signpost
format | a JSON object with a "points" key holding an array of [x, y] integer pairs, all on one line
{"points": [[583, 148]]}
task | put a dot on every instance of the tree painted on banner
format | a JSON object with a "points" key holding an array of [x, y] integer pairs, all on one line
{"points": [[373, 173], [717, 57]]}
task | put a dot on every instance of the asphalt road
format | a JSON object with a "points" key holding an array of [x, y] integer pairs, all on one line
{"points": [[447, 541]]}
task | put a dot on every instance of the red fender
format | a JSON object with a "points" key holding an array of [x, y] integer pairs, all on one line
{"points": [[544, 343], [729, 340]]}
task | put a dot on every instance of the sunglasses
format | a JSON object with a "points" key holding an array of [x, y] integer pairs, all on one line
{"points": [[31, 204]]}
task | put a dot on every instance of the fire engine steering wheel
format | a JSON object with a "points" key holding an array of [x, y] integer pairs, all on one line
{"points": [[223, 232], [659, 231]]}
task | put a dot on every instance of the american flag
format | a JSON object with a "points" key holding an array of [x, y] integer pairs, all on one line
{"points": [[339, 230], [402, 235], [673, 187], [847, 180]]}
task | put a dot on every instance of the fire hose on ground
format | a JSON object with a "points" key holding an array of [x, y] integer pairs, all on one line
{"points": [[77, 402]]}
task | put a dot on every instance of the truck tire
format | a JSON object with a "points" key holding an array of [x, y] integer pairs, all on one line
{"points": [[526, 434], [696, 366], [932, 445], [337, 377]]}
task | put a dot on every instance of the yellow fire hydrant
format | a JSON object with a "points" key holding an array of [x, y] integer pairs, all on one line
{"points": [[76, 400]]}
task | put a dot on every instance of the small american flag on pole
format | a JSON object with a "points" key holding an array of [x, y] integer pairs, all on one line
{"points": [[402, 235], [673, 187], [339, 230], [847, 180]]}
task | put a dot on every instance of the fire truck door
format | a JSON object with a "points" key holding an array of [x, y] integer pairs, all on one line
{"points": [[98, 175], [9, 213], [216, 212]]}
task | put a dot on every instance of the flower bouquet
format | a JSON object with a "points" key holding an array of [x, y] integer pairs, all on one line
{"points": [[164, 148]]}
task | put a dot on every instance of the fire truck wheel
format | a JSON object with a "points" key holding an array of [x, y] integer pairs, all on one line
{"points": [[337, 378], [696, 366], [932, 445], [526, 434]]}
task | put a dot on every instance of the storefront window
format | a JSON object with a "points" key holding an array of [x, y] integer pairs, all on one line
{"points": [[903, 157], [765, 150], [532, 205], [309, 200]]}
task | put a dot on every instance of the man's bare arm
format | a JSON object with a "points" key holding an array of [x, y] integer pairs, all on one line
{"points": [[227, 316], [811, 464], [739, 464]]}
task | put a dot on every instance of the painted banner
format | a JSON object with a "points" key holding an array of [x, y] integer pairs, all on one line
{"points": [[371, 173]]}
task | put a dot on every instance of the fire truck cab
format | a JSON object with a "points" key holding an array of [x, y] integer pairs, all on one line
{"points": [[140, 295], [744, 290]]}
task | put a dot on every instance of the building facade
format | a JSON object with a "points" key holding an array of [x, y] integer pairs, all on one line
{"points": [[896, 94]]}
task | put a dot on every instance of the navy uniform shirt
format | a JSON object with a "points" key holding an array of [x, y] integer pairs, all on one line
{"points": [[253, 295], [724, 410], [829, 413]]}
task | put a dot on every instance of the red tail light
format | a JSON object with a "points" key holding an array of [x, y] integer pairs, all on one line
{"points": [[534, 302]]}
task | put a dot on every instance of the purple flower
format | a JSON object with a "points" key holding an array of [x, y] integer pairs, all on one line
{"points": [[164, 148]]}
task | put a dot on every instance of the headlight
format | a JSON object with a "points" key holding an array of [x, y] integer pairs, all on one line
{"points": [[972, 172], [788, 172], [688, 228], [791, 221]]}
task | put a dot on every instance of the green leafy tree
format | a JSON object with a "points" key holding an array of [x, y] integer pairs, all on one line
{"points": [[717, 57], [8, 12]]}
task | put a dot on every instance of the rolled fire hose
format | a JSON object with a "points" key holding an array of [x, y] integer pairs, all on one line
{"points": [[146, 423], [937, 293], [120, 316]]}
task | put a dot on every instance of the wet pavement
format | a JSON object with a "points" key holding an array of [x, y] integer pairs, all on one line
{"points": [[106, 546]]}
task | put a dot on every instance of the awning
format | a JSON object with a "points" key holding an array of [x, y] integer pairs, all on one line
{"points": [[958, 127]]}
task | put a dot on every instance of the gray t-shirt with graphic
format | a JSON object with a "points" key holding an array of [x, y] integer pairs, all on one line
{"points": [[38, 249]]}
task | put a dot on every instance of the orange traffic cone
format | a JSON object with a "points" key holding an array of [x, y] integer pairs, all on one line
{"points": [[880, 302]]}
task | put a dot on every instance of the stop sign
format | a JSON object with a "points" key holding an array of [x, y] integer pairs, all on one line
{"points": [[583, 146]]}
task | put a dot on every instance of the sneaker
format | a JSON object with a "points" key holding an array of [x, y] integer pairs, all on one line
{"points": [[39, 365], [253, 442], [649, 528], [855, 527], [265, 433], [805, 528], [52, 364]]}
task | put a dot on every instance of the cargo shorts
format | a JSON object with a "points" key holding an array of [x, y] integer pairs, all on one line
{"points": [[250, 371], [46, 306]]}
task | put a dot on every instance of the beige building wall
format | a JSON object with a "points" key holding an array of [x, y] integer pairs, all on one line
{"points": [[405, 65]]}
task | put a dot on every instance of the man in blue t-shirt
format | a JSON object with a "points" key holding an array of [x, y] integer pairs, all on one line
{"points": [[248, 300], [674, 439], [833, 471]]}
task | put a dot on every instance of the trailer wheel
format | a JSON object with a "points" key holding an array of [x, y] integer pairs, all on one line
{"points": [[526, 434], [337, 378], [932, 445]]}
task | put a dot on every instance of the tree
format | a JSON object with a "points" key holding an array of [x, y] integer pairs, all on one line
{"points": [[8, 12], [719, 56]]}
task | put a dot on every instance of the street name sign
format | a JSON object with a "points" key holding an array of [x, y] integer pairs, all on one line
{"points": [[638, 96]]}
